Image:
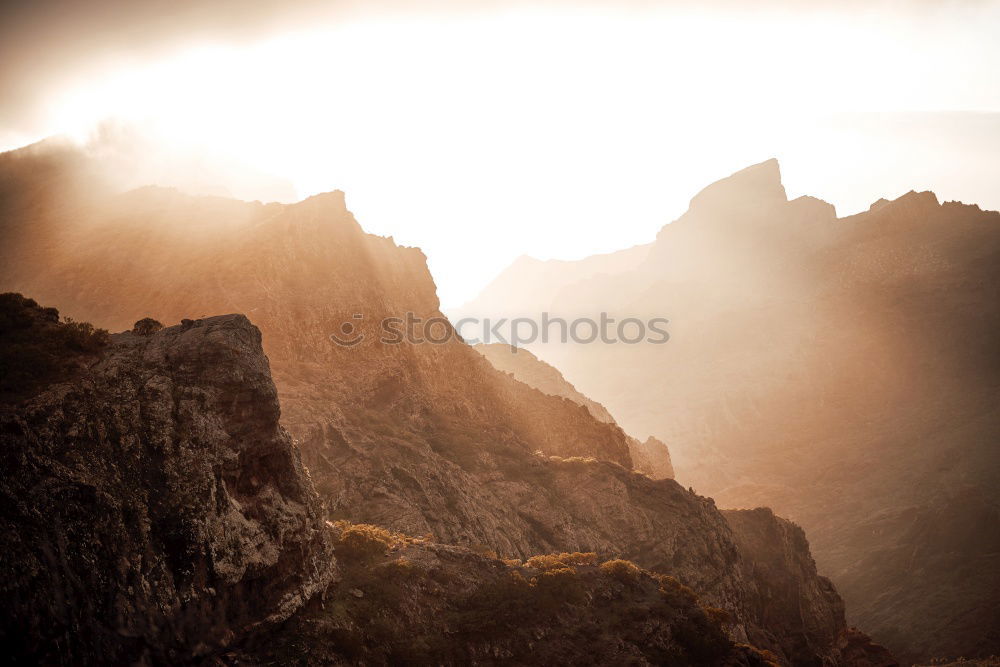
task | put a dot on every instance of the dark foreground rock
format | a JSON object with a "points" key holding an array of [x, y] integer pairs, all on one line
{"points": [[408, 601], [151, 508]]}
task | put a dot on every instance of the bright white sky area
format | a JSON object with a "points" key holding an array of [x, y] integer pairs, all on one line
{"points": [[565, 130]]}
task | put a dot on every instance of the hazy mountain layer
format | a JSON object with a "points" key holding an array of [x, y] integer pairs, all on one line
{"points": [[844, 371]]}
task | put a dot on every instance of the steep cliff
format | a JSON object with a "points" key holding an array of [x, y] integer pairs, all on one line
{"points": [[779, 558], [152, 508]]}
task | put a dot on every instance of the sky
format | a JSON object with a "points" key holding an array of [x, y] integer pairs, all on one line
{"points": [[484, 131]]}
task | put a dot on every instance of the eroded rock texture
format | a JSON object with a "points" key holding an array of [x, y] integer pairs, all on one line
{"points": [[414, 602], [151, 507]]}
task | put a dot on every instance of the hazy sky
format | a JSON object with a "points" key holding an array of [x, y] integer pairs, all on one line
{"points": [[484, 131]]}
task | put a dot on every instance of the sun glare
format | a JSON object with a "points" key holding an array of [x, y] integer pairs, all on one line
{"points": [[527, 123]]}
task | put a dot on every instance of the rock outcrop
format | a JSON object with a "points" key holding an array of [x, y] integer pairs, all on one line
{"points": [[783, 568], [151, 507], [414, 602], [652, 457]]}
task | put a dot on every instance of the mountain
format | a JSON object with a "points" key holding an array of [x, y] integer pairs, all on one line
{"points": [[408, 429], [843, 371], [651, 457], [154, 512]]}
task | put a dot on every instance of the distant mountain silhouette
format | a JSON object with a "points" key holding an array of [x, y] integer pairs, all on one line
{"points": [[845, 371]]}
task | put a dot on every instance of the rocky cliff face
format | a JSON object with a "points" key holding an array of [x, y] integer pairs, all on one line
{"points": [[416, 436], [782, 566], [651, 457], [153, 510], [156, 513], [843, 371]]}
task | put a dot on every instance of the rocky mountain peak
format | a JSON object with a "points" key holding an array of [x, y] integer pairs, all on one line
{"points": [[333, 200], [754, 186], [911, 204]]}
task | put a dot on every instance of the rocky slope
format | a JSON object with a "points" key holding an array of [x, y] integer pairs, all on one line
{"points": [[409, 601], [414, 436], [153, 510], [843, 371], [651, 457]]}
